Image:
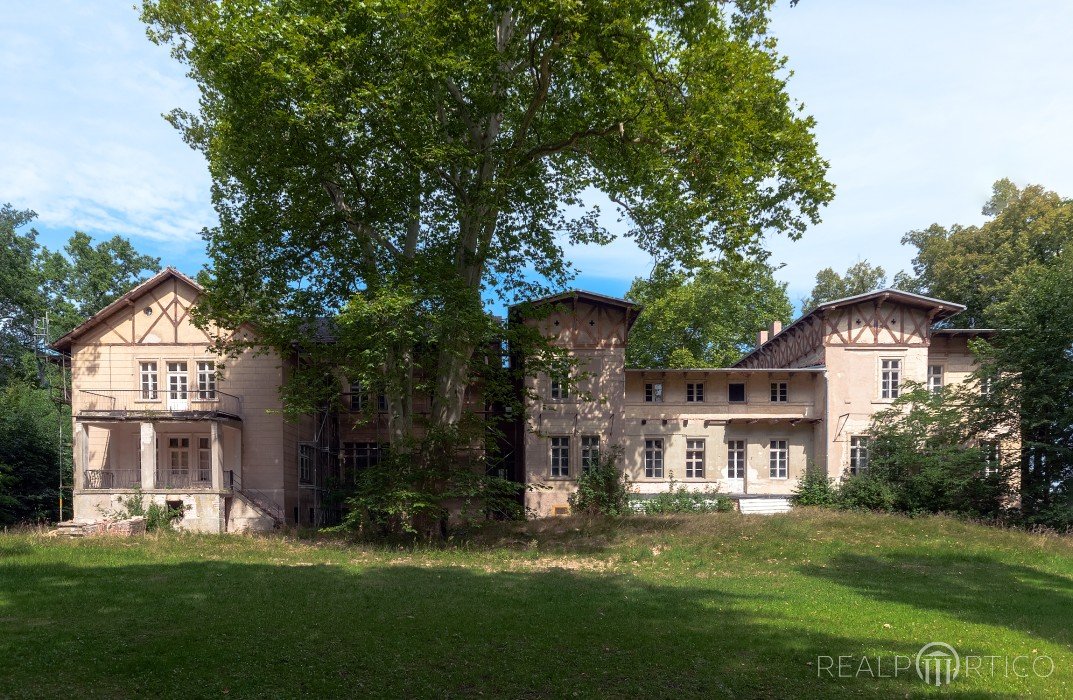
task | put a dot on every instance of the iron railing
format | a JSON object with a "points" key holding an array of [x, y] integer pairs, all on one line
{"points": [[126, 402], [192, 479], [113, 478], [259, 498]]}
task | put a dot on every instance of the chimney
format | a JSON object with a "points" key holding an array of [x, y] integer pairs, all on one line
{"points": [[761, 338], [776, 328]]}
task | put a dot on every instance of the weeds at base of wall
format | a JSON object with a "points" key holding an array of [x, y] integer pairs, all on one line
{"points": [[679, 499], [157, 516]]}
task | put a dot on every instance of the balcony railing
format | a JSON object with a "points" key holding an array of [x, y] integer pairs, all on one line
{"points": [[138, 402], [113, 478], [193, 479]]}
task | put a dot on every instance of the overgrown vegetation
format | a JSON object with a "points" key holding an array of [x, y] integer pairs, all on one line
{"points": [[603, 488], [158, 516], [679, 499], [660, 606]]}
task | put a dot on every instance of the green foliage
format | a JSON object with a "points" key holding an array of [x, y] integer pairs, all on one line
{"points": [[866, 492], [816, 489], [704, 317], [860, 278], [157, 516], [680, 499], [406, 161], [604, 488], [425, 490], [981, 266]]}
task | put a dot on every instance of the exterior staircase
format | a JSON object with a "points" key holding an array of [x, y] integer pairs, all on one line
{"points": [[258, 500]]}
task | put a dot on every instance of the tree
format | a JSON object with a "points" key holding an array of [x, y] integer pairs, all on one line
{"points": [[85, 278], [861, 277], [20, 296], [705, 317], [1031, 368], [403, 161], [977, 265]]}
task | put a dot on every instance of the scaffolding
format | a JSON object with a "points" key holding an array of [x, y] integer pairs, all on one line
{"points": [[59, 389]]}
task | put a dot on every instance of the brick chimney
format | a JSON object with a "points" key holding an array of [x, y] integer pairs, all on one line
{"points": [[761, 338], [776, 328]]}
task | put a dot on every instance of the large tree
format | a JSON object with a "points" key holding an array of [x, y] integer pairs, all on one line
{"points": [[404, 161], [1027, 228], [861, 277], [705, 317]]}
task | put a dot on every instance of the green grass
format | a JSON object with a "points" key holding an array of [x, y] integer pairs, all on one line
{"points": [[712, 606]]}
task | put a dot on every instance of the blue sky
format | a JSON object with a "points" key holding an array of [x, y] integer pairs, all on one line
{"points": [[920, 107]]}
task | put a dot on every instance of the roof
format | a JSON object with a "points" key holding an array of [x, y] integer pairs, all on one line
{"points": [[580, 294], [943, 309], [64, 341], [965, 331]]}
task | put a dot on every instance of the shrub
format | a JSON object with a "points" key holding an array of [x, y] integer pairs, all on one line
{"points": [[816, 489], [157, 516], [679, 499], [603, 489], [864, 492]]}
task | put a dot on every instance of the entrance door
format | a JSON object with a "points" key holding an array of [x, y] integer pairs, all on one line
{"points": [[178, 461], [178, 386]]}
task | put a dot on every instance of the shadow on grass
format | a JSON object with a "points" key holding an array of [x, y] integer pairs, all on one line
{"points": [[976, 589], [253, 630]]}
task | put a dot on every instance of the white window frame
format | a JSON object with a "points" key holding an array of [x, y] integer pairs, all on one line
{"points": [[780, 392], [149, 380], [695, 458], [653, 392], [206, 380], [560, 390], [590, 452], [890, 378], [559, 455], [204, 459], [858, 454], [936, 378], [737, 454], [992, 456], [779, 458], [654, 458], [694, 392], [178, 388]]}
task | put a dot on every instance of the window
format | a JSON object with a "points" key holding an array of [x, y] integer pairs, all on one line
{"points": [[590, 451], [560, 456], [204, 459], [735, 459], [305, 464], [178, 381], [654, 392], [986, 385], [780, 391], [989, 450], [559, 389], [654, 458], [694, 459], [359, 456], [206, 380], [178, 460], [381, 402], [148, 376], [778, 456], [858, 454], [736, 392], [890, 378], [695, 392], [359, 399], [935, 378]]}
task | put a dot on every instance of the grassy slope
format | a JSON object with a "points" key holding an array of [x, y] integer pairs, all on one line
{"points": [[703, 606]]}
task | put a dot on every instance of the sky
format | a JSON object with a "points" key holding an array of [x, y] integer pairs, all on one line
{"points": [[920, 107]]}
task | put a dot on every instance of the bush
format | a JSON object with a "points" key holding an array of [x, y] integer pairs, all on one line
{"points": [[864, 492], [681, 500], [816, 489], [157, 516], [603, 489]]}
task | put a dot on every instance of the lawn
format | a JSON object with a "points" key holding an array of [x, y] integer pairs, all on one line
{"points": [[719, 605]]}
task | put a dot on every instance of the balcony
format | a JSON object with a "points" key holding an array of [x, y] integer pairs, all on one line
{"points": [[122, 404]]}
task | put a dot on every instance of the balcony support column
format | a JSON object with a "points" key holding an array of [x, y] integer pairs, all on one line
{"points": [[216, 450], [147, 444], [80, 440]]}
